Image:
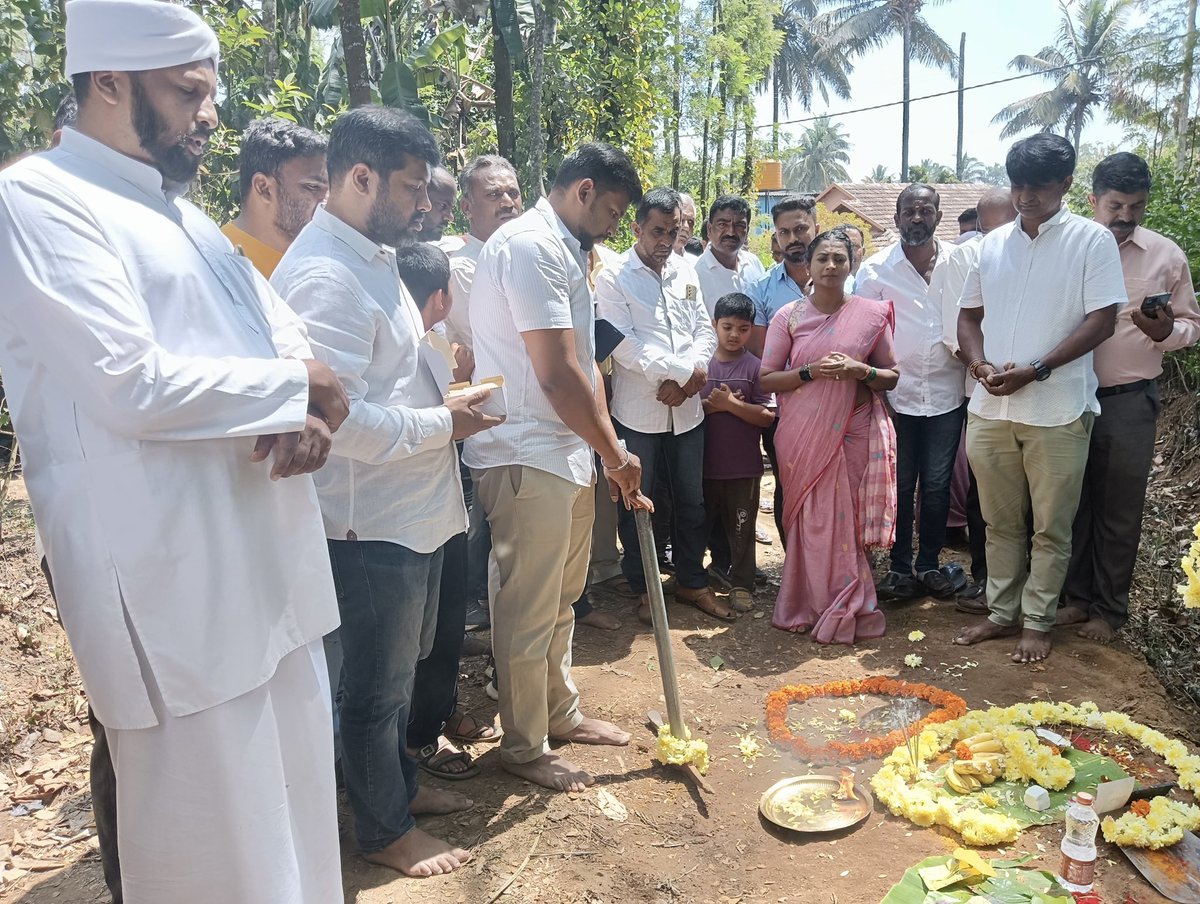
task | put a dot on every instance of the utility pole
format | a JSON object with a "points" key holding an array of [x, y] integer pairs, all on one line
{"points": [[962, 66]]}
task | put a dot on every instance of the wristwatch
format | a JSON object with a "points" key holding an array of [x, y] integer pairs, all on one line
{"points": [[1040, 371], [805, 373]]}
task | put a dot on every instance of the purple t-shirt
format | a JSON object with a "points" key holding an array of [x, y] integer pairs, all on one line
{"points": [[731, 446]]}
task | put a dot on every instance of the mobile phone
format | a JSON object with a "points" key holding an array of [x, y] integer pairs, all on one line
{"points": [[1152, 304]]}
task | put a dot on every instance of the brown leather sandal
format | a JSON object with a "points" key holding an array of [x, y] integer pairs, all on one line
{"points": [[702, 598]]}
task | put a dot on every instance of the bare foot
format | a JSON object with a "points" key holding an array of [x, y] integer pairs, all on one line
{"points": [[419, 854], [436, 802], [1097, 629], [553, 772], [984, 630], [1070, 615], [595, 731], [1034, 646], [601, 620]]}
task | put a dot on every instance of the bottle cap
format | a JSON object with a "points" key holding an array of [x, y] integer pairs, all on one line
{"points": [[1084, 798]]}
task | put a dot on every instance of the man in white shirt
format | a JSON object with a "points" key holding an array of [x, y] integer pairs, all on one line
{"points": [[653, 299], [533, 323], [726, 266], [994, 209], [1044, 293], [928, 400], [151, 372], [390, 495]]}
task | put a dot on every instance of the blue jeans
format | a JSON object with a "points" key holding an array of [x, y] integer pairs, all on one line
{"points": [[436, 683], [388, 597], [684, 456], [925, 452]]}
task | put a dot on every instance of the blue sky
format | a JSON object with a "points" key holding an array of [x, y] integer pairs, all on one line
{"points": [[997, 31]]}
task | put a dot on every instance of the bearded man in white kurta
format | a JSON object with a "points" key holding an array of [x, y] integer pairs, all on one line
{"points": [[152, 373]]}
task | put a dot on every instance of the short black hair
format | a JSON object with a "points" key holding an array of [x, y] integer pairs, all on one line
{"points": [[380, 137], [846, 227], [735, 306], [736, 203], [913, 189], [794, 201], [67, 113], [441, 179], [81, 84], [1040, 160], [424, 269], [666, 200], [970, 215], [608, 167], [1123, 172], [694, 245], [836, 234], [269, 143]]}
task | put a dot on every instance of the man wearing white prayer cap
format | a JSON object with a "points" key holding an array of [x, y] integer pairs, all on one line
{"points": [[170, 413]]}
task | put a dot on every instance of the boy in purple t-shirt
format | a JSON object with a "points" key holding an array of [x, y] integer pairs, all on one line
{"points": [[735, 414]]}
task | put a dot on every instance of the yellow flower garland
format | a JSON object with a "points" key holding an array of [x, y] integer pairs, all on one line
{"points": [[915, 794], [1190, 592]]}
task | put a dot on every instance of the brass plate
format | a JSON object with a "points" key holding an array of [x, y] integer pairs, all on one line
{"points": [[785, 802]]}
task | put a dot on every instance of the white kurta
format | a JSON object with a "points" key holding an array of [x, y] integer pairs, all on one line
{"points": [[141, 359]]}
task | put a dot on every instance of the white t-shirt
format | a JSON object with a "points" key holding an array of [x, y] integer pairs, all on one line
{"points": [[531, 275]]}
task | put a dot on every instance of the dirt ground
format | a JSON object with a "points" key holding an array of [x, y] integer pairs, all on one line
{"points": [[674, 845]]}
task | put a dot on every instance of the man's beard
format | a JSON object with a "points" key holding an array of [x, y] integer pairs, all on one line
{"points": [[294, 214], [385, 223], [170, 155], [915, 236]]}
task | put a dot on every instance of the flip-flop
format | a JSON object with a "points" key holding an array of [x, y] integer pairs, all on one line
{"points": [[706, 603], [478, 735], [433, 759]]}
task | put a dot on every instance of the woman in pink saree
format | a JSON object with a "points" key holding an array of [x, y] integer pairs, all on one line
{"points": [[828, 358]]}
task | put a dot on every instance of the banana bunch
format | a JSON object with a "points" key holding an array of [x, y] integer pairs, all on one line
{"points": [[984, 766]]}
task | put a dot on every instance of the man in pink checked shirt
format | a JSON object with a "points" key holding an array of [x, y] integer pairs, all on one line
{"points": [[1108, 524]]}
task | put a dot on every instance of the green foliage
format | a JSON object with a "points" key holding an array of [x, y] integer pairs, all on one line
{"points": [[1174, 210], [827, 219], [819, 159], [31, 63]]}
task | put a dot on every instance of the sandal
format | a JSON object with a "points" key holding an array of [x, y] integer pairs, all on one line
{"points": [[702, 598], [741, 600], [434, 758], [476, 732]]}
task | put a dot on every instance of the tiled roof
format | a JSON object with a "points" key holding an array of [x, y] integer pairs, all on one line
{"points": [[875, 202]]}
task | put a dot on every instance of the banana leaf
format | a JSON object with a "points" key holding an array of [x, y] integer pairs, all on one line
{"points": [[1011, 885], [1090, 768]]}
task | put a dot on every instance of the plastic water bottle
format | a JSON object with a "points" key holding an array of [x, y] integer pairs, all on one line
{"points": [[1078, 867]]}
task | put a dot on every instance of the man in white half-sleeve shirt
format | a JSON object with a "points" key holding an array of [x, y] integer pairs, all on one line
{"points": [[1043, 294], [152, 373], [390, 495], [533, 324], [726, 266], [653, 299]]}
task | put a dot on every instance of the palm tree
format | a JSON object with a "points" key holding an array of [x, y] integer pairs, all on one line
{"points": [[354, 51], [809, 62], [869, 24], [1083, 65], [819, 159], [973, 169], [880, 174], [931, 172]]}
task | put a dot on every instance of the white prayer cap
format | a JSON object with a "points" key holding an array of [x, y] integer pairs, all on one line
{"points": [[135, 36]]}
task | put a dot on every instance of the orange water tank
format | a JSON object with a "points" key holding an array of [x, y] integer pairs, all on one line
{"points": [[769, 175]]}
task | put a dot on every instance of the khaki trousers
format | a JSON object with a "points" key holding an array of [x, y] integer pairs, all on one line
{"points": [[541, 539], [1022, 470]]}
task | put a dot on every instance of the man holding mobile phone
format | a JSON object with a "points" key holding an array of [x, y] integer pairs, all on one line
{"points": [[1161, 316]]}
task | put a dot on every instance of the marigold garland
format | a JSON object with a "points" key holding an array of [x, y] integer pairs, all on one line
{"points": [[949, 706], [917, 795]]}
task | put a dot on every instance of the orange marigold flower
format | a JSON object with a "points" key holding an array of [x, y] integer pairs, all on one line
{"points": [[962, 751], [1140, 807]]}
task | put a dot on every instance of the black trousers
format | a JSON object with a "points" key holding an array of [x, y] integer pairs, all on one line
{"points": [[1108, 522]]}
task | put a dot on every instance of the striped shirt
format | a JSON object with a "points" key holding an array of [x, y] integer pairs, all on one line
{"points": [[531, 275]]}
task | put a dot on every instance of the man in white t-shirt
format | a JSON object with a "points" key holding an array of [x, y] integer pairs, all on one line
{"points": [[1044, 293], [533, 324]]}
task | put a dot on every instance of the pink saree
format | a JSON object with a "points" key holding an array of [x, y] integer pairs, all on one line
{"points": [[837, 461]]}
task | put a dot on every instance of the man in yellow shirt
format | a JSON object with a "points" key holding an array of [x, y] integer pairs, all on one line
{"points": [[282, 179]]}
